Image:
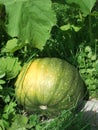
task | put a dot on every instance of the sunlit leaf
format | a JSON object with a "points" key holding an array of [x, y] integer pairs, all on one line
{"points": [[19, 123], [85, 5], [11, 66], [2, 73], [13, 45], [65, 27], [10, 46], [2, 81], [30, 20], [69, 26]]}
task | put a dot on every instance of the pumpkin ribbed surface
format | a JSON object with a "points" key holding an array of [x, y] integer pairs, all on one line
{"points": [[49, 85]]}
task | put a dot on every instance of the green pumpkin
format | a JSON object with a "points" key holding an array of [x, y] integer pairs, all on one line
{"points": [[49, 85]]}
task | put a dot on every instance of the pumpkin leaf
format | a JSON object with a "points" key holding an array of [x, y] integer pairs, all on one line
{"points": [[11, 66], [69, 26], [19, 123], [85, 5], [10, 46], [2, 74], [13, 45], [30, 21], [2, 81]]}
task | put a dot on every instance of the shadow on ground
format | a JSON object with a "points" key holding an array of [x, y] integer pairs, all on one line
{"points": [[90, 113]]}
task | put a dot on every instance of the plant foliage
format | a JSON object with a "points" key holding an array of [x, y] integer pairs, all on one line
{"points": [[85, 5], [31, 22], [66, 29]]}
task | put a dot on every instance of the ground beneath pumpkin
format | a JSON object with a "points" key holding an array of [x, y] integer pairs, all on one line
{"points": [[90, 112]]}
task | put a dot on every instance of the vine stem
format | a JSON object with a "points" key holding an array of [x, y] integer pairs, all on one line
{"points": [[90, 29]]}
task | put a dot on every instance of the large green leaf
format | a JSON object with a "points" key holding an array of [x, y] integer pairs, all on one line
{"points": [[30, 20], [85, 5]]}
